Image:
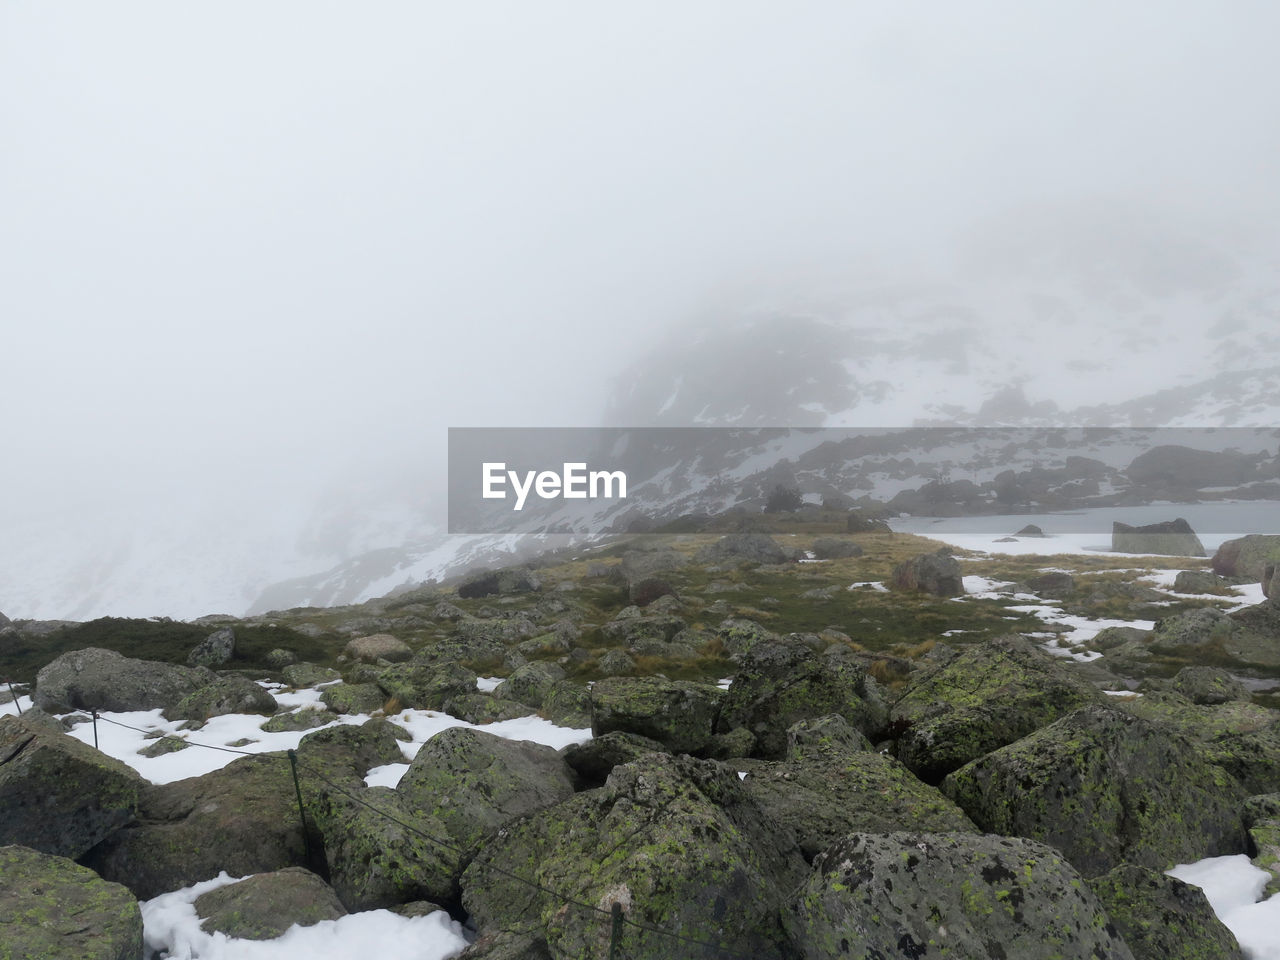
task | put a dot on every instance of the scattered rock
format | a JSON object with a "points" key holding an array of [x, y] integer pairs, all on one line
{"points": [[1208, 685], [54, 908], [646, 591], [739, 635], [743, 548], [308, 674], [279, 658], [1199, 581], [489, 583], [265, 906], [616, 663], [890, 895], [424, 686], [96, 679], [835, 548], [214, 650], [344, 698], [305, 718], [937, 574], [1170, 538], [530, 683], [1052, 586], [378, 646]]}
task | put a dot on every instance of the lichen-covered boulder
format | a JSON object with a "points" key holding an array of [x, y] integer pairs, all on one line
{"points": [[1208, 685], [228, 693], [779, 684], [51, 907], [738, 635], [676, 842], [1170, 538], [1199, 581], [679, 714], [989, 695], [305, 718], [97, 679], [426, 686], [58, 795], [265, 906], [1105, 788], [1247, 557], [484, 708], [474, 783], [529, 683], [308, 674], [1250, 635], [242, 819], [378, 646], [835, 548], [214, 650], [568, 704], [1162, 918], [635, 631], [830, 786], [949, 895], [1262, 820], [344, 698], [937, 574], [743, 548]]}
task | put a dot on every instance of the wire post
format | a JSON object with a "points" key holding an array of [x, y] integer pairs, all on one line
{"points": [[95, 730], [16, 704], [615, 929], [302, 814]]}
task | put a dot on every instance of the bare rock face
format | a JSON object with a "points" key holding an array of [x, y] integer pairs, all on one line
{"points": [[1170, 538]]}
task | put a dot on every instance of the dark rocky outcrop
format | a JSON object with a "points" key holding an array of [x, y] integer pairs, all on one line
{"points": [[1199, 581], [264, 906], [96, 679], [675, 841], [937, 574], [1105, 788], [1208, 685], [58, 795], [781, 683], [426, 686], [949, 895], [53, 909], [1162, 918], [989, 695], [595, 759], [488, 583], [1171, 538]]}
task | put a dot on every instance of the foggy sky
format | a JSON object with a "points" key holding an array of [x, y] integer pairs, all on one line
{"points": [[254, 252]]}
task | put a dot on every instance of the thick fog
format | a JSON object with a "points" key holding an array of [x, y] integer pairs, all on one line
{"points": [[255, 258]]}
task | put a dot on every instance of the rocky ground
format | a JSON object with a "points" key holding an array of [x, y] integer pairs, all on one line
{"points": [[807, 742]]}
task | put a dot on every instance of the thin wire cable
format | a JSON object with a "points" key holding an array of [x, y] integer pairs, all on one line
{"points": [[449, 845]]}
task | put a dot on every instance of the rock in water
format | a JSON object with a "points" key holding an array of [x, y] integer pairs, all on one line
{"points": [[1170, 538], [58, 795], [214, 650], [54, 909], [922, 895]]}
